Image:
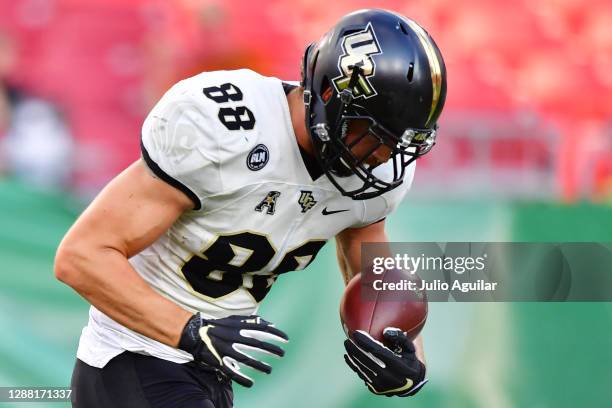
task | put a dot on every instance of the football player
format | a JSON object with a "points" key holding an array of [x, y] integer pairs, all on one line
{"points": [[243, 178]]}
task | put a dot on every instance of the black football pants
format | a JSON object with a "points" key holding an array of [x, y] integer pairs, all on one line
{"points": [[137, 381]]}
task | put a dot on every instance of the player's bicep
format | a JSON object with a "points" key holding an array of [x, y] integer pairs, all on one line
{"points": [[348, 244], [130, 213]]}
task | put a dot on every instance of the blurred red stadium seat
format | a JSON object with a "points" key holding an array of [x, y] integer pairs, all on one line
{"points": [[106, 62]]}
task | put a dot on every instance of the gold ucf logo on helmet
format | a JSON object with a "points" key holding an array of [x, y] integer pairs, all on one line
{"points": [[358, 50]]}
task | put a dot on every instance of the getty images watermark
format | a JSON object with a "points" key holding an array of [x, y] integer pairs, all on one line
{"points": [[412, 264], [473, 272]]}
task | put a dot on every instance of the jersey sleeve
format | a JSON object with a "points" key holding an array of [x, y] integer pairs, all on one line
{"points": [[179, 147], [379, 208]]}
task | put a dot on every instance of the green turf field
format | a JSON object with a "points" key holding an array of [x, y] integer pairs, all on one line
{"points": [[479, 355]]}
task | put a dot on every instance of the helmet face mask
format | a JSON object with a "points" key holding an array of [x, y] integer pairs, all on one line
{"points": [[356, 73], [338, 158]]}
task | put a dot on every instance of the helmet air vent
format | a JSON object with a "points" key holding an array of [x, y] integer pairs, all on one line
{"points": [[410, 72]]}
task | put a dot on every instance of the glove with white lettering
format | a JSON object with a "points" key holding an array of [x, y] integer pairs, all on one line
{"points": [[390, 372], [222, 343]]}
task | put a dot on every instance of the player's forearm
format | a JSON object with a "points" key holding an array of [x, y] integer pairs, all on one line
{"points": [[348, 252], [107, 280], [347, 274]]}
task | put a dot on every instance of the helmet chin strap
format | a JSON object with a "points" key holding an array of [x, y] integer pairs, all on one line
{"points": [[347, 95]]}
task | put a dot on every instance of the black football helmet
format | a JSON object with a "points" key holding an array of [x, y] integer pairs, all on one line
{"points": [[378, 66]]}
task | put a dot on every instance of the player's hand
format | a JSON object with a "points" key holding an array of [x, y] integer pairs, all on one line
{"points": [[395, 371], [222, 343]]}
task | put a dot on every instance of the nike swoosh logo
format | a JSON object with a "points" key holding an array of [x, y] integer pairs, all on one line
{"points": [[325, 212], [404, 387]]}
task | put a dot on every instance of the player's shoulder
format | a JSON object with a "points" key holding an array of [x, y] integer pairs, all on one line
{"points": [[202, 97], [243, 81], [212, 121], [201, 87], [195, 102], [235, 74]]}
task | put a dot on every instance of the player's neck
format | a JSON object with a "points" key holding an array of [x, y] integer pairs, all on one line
{"points": [[297, 111]]}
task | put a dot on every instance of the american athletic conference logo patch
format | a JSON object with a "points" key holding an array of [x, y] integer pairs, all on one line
{"points": [[258, 157]]}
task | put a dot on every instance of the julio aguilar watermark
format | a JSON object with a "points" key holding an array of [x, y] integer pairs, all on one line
{"points": [[412, 264], [460, 271]]}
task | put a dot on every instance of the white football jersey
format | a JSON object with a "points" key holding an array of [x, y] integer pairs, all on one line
{"points": [[226, 139]]}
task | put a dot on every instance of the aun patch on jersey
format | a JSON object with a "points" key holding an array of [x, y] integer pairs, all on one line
{"points": [[258, 157], [358, 50], [306, 200], [269, 203]]}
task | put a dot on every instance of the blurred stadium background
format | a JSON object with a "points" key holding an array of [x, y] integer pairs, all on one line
{"points": [[524, 154]]}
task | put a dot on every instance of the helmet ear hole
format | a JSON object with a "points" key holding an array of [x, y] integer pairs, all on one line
{"points": [[326, 90], [410, 72]]}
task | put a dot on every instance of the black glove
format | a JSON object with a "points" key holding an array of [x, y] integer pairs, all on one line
{"points": [[384, 371], [221, 343]]}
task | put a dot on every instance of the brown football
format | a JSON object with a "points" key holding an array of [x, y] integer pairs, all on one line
{"points": [[379, 309]]}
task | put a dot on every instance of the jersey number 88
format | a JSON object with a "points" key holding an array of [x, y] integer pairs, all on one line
{"points": [[232, 261], [233, 118]]}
